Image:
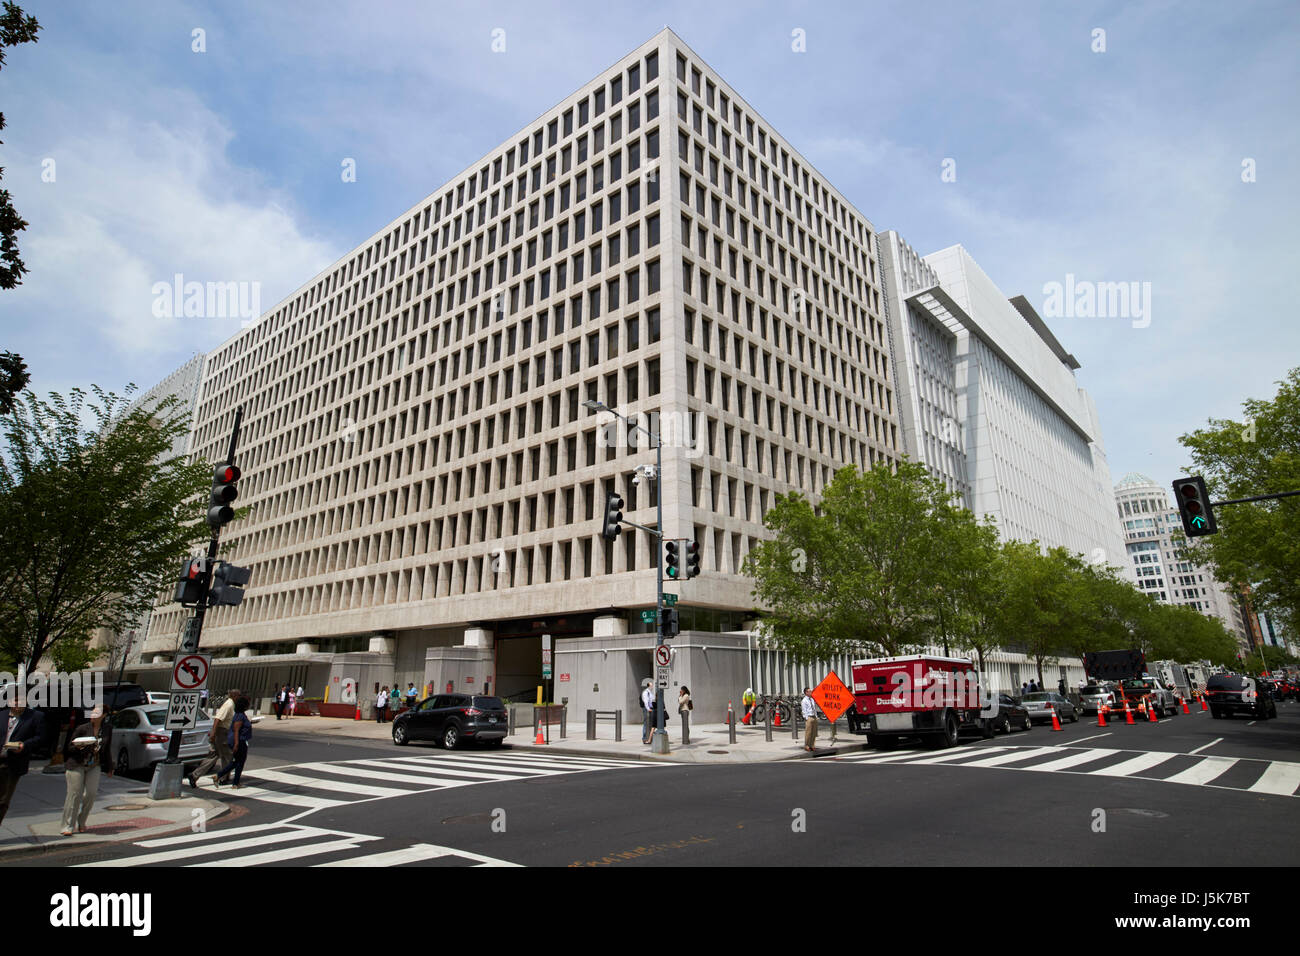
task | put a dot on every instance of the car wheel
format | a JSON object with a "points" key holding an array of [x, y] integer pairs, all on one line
{"points": [[400, 736], [123, 766], [1074, 715], [450, 736], [1006, 725], [1029, 723]]}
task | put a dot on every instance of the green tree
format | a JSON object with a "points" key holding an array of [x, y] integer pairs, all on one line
{"points": [[1258, 543], [1042, 601], [94, 521], [857, 570], [15, 28], [974, 585], [13, 379]]}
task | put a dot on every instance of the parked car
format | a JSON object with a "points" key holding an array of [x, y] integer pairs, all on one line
{"points": [[1011, 715], [118, 695], [140, 739], [159, 698], [450, 718], [1095, 695], [1138, 689], [1041, 704], [1232, 694]]}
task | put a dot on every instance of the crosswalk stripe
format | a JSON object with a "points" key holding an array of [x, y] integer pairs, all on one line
{"points": [[548, 760], [1136, 764], [1016, 753], [287, 853], [187, 852], [290, 799], [418, 851], [209, 835], [532, 768], [316, 783], [347, 770], [872, 756], [1073, 760], [1280, 778], [480, 776], [1202, 773]]}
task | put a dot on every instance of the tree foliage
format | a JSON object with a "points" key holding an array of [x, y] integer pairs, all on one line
{"points": [[94, 519], [1258, 543], [15, 27]]}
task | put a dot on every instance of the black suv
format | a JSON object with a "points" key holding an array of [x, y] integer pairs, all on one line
{"points": [[1234, 694], [449, 718]]}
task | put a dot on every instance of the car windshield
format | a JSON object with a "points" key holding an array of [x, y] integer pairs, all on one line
{"points": [[1037, 697]]}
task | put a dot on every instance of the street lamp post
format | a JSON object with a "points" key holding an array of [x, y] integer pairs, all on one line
{"points": [[659, 742]]}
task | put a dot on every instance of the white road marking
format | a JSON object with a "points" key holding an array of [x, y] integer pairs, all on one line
{"points": [[1280, 778], [1136, 764], [1216, 740], [289, 853], [419, 851], [1082, 739], [1209, 768], [1017, 753], [1073, 760], [316, 783]]}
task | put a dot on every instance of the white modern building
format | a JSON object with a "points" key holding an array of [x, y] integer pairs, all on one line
{"points": [[989, 403], [1149, 524], [425, 483]]}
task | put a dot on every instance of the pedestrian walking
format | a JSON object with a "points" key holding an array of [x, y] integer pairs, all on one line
{"points": [[237, 738], [411, 694], [20, 730], [82, 767], [219, 755], [1061, 686], [293, 702], [648, 707], [381, 704], [809, 708], [1024, 689]]}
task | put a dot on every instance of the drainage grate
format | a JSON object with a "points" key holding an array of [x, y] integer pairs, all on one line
{"points": [[130, 806], [719, 751]]}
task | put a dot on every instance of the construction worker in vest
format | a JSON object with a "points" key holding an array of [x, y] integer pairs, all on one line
{"points": [[749, 700]]}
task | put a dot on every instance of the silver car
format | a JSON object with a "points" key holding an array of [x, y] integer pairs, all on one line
{"points": [[1093, 696], [1041, 704], [140, 739]]}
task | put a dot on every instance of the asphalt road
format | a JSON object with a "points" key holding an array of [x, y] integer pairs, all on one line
{"points": [[1171, 793]]}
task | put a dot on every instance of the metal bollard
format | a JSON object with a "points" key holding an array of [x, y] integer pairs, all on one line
{"points": [[564, 722], [768, 726], [510, 731], [591, 725], [618, 725], [686, 727], [794, 723], [731, 722]]}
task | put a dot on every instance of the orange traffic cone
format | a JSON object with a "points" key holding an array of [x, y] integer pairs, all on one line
{"points": [[1056, 723], [1203, 707], [1128, 714], [358, 716], [1183, 701], [540, 741], [1151, 713], [1101, 715], [776, 716]]}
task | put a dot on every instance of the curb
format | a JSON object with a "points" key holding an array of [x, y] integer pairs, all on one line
{"points": [[14, 851]]}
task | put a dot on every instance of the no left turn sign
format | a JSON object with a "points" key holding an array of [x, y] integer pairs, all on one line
{"points": [[663, 655], [191, 672]]}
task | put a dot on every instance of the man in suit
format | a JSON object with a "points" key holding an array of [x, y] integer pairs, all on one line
{"points": [[20, 729]]}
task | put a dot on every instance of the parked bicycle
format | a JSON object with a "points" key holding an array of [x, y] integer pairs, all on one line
{"points": [[779, 705]]}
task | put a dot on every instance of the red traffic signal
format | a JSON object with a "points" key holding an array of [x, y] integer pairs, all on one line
{"points": [[223, 492]]}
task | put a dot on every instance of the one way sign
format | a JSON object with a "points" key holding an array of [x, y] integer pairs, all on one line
{"points": [[183, 710]]}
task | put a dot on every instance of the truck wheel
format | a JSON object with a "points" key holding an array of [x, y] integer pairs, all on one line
{"points": [[986, 729], [950, 729]]}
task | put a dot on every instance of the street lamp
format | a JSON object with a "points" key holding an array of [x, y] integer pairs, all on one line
{"points": [[659, 742]]}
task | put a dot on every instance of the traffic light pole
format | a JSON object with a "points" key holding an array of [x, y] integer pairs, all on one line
{"points": [[1239, 501], [169, 779]]}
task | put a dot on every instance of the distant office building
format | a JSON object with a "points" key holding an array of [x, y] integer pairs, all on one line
{"points": [[1149, 524], [989, 403]]}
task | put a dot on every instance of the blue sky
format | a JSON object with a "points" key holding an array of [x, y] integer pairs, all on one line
{"points": [[1115, 166]]}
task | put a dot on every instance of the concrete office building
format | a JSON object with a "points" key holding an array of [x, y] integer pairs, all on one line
{"points": [[989, 403], [425, 483], [1149, 524]]}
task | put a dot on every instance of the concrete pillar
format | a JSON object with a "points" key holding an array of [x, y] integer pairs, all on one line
{"points": [[382, 645], [247, 652], [305, 649], [478, 637], [609, 625]]}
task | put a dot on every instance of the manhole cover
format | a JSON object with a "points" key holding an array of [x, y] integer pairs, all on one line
{"points": [[472, 818], [719, 751], [130, 806]]}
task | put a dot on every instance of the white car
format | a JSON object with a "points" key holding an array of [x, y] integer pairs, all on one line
{"points": [[159, 698]]}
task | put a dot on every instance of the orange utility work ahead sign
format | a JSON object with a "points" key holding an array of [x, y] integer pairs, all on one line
{"points": [[832, 697]]}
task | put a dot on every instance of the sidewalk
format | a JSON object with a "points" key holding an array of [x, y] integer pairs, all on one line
{"points": [[709, 742], [122, 809]]}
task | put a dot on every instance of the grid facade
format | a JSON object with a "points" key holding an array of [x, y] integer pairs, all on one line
{"points": [[415, 449]]}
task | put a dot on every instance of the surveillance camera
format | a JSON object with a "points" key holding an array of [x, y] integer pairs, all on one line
{"points": [[636, 479]]}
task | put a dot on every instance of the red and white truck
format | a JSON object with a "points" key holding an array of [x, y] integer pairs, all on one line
{"points": [[919, 695]]}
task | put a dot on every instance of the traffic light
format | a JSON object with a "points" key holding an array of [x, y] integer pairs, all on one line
{"points": [[223, 493], [193, 582], [692, 559], [1194, 506], [671, 622], [670, 560], [613, 515], [228, 585]]}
